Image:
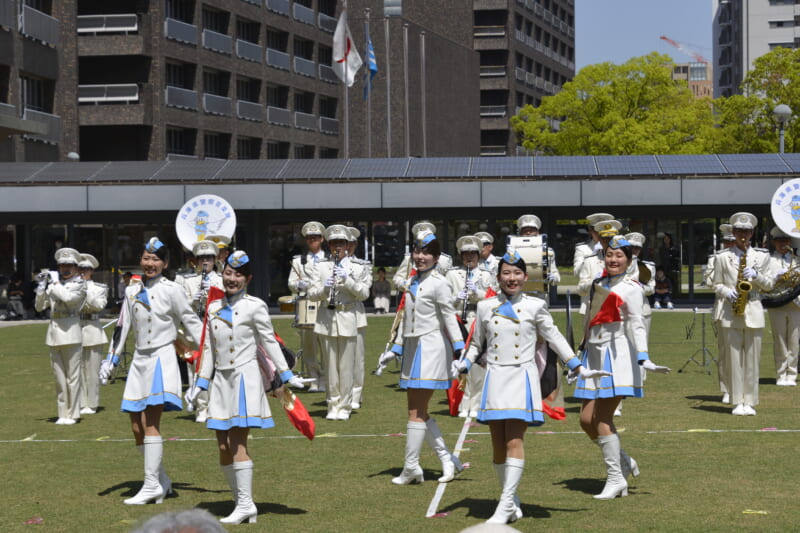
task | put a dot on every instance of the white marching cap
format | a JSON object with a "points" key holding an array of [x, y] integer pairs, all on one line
{"points": [[353, 234], [529, 221], [222, 240], [485, 236], [608, 228], [312, 228], [469, 243], [88, 261], [336, 232], [778, 233], [423, 226], [205, 247], [67, 256], [594, 218], [636, 239], [743, 220], [727, 232]]}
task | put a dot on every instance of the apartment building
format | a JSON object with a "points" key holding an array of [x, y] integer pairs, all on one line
{"points": [[698, 76]]}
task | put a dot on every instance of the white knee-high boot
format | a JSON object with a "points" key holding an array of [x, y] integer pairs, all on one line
{"points": [[507, 509], [500, 471], [627, 463], [245, 507], [450, 463], [163, 478], [230, 477], [412, 472], [615, 481], [152, 450]]}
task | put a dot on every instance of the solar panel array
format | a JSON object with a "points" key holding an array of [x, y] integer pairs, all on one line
{"points": [[220, 171]]}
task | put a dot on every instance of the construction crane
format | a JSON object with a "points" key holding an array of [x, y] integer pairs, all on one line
{"points": [[686, 50]]}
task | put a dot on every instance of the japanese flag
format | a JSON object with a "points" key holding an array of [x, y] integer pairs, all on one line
{"points": [[346, 60]]}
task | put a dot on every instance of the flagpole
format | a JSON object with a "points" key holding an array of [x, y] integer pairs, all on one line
{"points": [[369, 84], [346, 103], [422, 83], [405, 95], [388, 89]]}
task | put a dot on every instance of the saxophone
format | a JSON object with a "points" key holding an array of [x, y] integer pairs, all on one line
{"points": [[743, 287]]}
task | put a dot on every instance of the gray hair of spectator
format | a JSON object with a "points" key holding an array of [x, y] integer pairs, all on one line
{"points": [[188, 521], [490, 528]]}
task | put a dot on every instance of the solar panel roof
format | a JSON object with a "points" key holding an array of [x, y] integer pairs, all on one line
{"points": [[119, 171], [309, 169], [19, 172], [377, 168], [501, 166], [753, 163], [190, 170], [690, 164], [252, 169], [630, 165], [579, 165], [792, 160], [439, 167]]}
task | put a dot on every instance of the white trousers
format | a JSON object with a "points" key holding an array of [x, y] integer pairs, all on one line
{"points": [[66, 363], [745, 352], [310, 344], [785, 322], [358, 368], [340, 357], [723, 359], [91, 358]]}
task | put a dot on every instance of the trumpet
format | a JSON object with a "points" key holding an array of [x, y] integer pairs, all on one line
{"points": [[332, 301]]}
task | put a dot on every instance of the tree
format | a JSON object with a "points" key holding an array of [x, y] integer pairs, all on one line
{"points": [[629, 109]]}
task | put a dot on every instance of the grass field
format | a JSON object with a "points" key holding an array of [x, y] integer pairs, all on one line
{"points": [[702, 469]]}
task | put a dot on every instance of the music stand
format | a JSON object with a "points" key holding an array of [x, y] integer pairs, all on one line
{"points": [[705, 353]]}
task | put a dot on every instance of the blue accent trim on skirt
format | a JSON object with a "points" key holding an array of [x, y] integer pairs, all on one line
{"points": [[530, 415], [241, 420], [607, 388], [158, 396], [414, 381]]}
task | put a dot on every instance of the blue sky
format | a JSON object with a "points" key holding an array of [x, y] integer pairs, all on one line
{"points": [[616, 30]]}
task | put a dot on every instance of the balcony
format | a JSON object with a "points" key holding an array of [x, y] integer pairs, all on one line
{"points": [[110, 93], [125, 23], [279, 6], [39, 26], [218, 42], [493, 151], [484, 32], [493, 110], [530, 79], [305, 121], [327, 74], [52, 124], [519, 73], [249, 51], [250, 110], [303, 14], [278, 59], [305, 67], [328, 126], [180, 31], [181, 98], [8, 18], [254, 2], [216, 105], [326, 23], [8, 110], [493, 71], [279, 116]]}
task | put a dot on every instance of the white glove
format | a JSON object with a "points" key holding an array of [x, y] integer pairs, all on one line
{"points": [[191, 394], [459, 366], [732, 295], [462, 294], [387, 357], [330, 282], [650, 366], [553, 277], [584, 373], [296, 382], [53, 276], [749, 273], [302, 285], [106, 367], [205, 285], [198, 294], [470, 286], [41, 287], [340, 272], [401, 286], [781, 272]]}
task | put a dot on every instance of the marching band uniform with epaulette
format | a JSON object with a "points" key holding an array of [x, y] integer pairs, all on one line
{"points": [[304, 269], [583, 251], [64, 337], [647, 288], [359, 367], [785, 322], [490, 264], [94, 341], [338, 330], [723, 347]]}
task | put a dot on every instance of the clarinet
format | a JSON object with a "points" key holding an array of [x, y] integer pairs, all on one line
{"points": [[466, 300], [332, 301]]}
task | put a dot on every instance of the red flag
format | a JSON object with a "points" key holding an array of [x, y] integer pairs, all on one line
{"points": [[214, 293], [454, 396], [556, 413], [298, 414]]}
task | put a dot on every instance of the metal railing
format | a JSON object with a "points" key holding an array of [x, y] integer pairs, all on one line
{"points": [[181, 98], [530, 78], [51, 122], [124, 23], [250, 110], [214, 104], [519, 73], [249, 51], [305, 121], [303, 14], [493, 110], [101, 94], [278, 59], [279, 116], [327, 74], [279, 6], [8, 110], [180, 31], [38, 25], [8, 17], [489, 31], [493, 151], [326, 23], [329, 126], [218, 42], [305, 67], [491, 71]]}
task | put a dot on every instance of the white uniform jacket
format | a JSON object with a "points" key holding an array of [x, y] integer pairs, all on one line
{"points": [[365, 279], [65, 300], [582, 251], [590, 270], [428, 307], [96, 300], [457, 278], [647, 288], [343, 321], [236, 327], [787, 261], [191, 283], [155, 312], [491, 264], [303, 267], [510, 329], [616, 313], [726, 272]]}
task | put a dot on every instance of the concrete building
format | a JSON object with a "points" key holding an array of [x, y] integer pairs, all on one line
{"points": [[745, 30], [699, 77]]}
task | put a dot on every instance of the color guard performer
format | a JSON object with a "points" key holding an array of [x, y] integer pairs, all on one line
{"points": [[402, 275], [742, 315], [358, 371], [785, 320], [487, 260], [589, 247], [94, 337], [723, 348], [301, 276], [339, 287], [592, 267], [64, 293]]}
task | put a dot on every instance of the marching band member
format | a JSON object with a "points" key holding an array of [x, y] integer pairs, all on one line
{"points": [[237, 325], [94, 337], [64, 292], [223, 243], [196, 286], [635, 272], [616, 341], [301, 276], [588, 248], [592, 267], [529, 226], [153, 309], [510, 324], [339, 286], [488, 261], [743, 332], [723, 348], [361, 316], [785, 320], [429, 321], [469, 284]]}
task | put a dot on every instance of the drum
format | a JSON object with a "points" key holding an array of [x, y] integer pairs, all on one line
{"points": [[533, 250], [286, 303], [306, 313]]}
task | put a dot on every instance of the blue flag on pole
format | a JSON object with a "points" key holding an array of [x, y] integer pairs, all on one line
{"points": [[372, 68]]}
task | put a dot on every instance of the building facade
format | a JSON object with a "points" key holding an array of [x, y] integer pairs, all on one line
{"points": [[698, 76]]}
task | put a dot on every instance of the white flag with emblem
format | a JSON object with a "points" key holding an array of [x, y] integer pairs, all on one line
{"points": [[346, 60]]}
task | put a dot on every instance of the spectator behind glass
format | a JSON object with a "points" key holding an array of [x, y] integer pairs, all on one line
{"points": [[663, 290], [381, 290]]}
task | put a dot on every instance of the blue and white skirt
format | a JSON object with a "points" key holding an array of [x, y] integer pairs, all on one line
{"points": [[426, 362], [153, 379], [626, 378], [512, 392], [236, 398]]}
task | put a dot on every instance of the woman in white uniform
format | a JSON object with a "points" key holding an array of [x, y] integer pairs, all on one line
{"points": [[616, 341], [509, 325], [430, 337], [237, 325], [153, 309]]}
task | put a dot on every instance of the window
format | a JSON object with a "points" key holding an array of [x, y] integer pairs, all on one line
{"points": [[215, 82], [277, 150], [278, 96], [216, 145], [182, 10], [180, 141], [304, 102], [248, 89], [327, 106], [45, 6], [37, 94], [327, 7], [247, 30], [180, 75], [303, 151], [248, 148], [216, 21], [325, 54], [304, 48], [277, 40], [328, 153], [781, 23]]}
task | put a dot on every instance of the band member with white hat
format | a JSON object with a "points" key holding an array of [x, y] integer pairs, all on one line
{"points": [[592, 267], [531, 225], [358, 370], [94, 337], [723, 348], [403, 274], [785, 320], [301, 276], [588, 248], [487, 260], [339, 287], [224, 249], [742, 315], [64, 293]]}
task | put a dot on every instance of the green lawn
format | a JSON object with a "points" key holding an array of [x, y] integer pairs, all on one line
{"points": [[702, 469]]}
